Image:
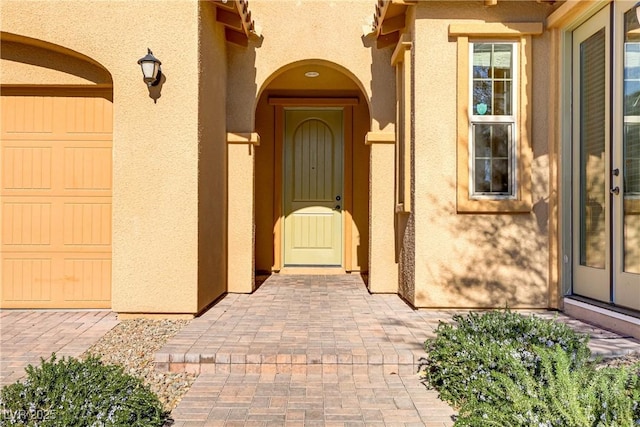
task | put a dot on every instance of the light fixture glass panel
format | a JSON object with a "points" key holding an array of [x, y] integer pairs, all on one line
{"points": [[149, 69]]}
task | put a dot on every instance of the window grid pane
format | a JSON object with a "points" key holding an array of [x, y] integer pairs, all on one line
{"points": [[492, 79], [492, 158]]}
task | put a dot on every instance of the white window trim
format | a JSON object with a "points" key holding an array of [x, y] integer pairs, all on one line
{"points": [[512, 119]]}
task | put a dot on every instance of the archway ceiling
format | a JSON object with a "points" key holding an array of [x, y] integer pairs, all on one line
{"points": [[328, 79]]}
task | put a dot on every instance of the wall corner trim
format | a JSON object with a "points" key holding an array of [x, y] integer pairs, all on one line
{"points": [[250, 138], [380, 138]]}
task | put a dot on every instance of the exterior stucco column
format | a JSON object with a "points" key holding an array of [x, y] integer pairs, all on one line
{"points": [[383, 267], [241, 232]]}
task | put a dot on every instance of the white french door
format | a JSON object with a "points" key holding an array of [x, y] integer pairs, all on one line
{"points": [[626, 158], [606, 156]]}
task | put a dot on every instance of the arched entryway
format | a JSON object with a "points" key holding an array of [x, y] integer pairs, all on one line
{"points": [[312, 170]]}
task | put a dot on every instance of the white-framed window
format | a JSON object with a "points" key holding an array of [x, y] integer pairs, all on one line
{"points": [[494, 69], [493, 119]]}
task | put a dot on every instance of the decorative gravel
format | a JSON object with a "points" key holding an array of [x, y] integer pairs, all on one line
{"points": [[626, 360], [132, 344]]}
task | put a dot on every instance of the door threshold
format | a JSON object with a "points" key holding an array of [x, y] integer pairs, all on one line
{"points": [[605, 317], [312, 271]]}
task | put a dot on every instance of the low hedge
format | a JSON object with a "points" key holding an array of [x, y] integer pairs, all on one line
{"points": [[558, 396], [71, 392], [505, 369]]}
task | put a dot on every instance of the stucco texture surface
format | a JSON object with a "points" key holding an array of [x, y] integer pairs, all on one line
{"points": [[473, 260], [157, 211], [213, 161], [306, 29]]}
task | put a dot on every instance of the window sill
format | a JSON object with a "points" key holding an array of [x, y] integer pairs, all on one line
{"points": [[466, 205]]}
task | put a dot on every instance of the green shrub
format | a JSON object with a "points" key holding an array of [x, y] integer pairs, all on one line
{"points": [[559, 396], [476, 345], [70, 392]]}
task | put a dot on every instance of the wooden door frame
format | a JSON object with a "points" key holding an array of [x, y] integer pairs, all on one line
{"points": [[347, 103]]}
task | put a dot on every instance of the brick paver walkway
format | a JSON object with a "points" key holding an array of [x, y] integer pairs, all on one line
{"points": [[301, 350], [316, 350], [28, 335]]}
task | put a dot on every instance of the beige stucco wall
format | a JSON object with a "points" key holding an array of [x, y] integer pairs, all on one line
{"points": [[156, 147], [241, 150], [383, 268], [473, 260], [311, 29], [264, 188], [212, 161]]}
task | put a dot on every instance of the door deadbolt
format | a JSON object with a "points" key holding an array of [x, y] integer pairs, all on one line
{"points": [[338, 198], [615, 191]]}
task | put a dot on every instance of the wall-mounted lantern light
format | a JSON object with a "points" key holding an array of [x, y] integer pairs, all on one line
{"points": [[150, 69]]}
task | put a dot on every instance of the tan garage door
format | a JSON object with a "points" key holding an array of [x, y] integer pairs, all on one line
{"points": [[56, 198]]}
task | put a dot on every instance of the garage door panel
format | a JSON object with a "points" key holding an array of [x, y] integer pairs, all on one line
{"points": [[26, 278], [82, 224], [26, 168], [87, 279], [56, 280], [87, 224], [26, 224], [56, 158], [89, 115], [87, 168], [28, 114], [56, 117], [57, 168]]}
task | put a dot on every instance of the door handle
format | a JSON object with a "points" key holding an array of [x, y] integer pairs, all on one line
{"points": [[337, 208], [615, 190]]}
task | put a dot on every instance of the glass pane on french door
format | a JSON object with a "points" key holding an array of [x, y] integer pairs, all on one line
{"points": [[631, 145], [592, 147], [591, 222], [626, 162]]}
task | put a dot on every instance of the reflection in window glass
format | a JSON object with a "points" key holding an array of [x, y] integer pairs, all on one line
{"points": [[492, 76], [631, 145], [492, 158]]}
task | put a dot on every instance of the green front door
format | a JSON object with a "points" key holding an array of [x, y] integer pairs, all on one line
{"points": [[313, 166]]}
